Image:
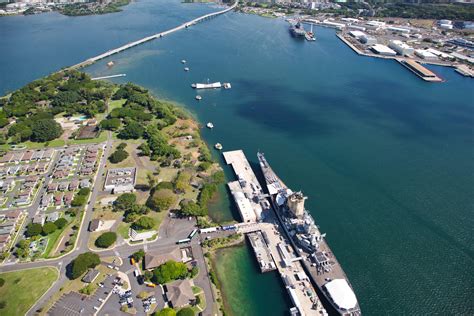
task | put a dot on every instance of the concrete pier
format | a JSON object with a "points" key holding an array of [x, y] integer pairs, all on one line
{"points": [[261, 251], [271, 246]]}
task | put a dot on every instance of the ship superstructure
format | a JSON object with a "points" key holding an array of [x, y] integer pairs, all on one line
{"points": [[297, 29], [321, 264]]}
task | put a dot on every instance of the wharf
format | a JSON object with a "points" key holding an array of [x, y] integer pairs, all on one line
{"points": [[272, 247], [247, 192], [465, 71], [261, 251], [420, 71]]}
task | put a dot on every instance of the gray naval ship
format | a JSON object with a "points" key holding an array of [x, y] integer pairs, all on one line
{"points": [[318, 259]]}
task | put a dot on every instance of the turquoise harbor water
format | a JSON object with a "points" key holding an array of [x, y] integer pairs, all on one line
{"points": [[386, 160]]}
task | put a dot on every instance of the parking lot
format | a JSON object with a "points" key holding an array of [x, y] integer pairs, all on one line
{"points": [[74, 303]]}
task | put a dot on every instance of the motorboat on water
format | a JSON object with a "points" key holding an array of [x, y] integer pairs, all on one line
{"points": [[310, 35], [210, 125], [218, 146], [183, 61], [227, 85], [198, 97], [186, 69]]}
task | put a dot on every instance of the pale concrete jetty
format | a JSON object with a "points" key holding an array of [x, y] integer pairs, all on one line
{"points": [[270, 244]]}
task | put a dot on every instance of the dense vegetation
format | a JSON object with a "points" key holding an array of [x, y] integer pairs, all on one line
{"points": [[144, 223], [169, 271], [106, 240], [128, 202], [138, 255], [187, 311], [424, 10], [31, 109], [428, 11], [83, 262], [81, 197], [135, 115], [77, 9], [161, 199], [166, 312], [119, 154]]}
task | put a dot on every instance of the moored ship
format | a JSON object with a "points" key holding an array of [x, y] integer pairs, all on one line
{"points": [[297, 30], [320, 262]]}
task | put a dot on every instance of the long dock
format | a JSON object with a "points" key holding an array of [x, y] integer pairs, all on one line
{"points": [[185, 25], [269, 242], [108, 77]]}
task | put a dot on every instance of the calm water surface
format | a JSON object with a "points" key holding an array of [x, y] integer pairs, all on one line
{"points": [[386, 160]]}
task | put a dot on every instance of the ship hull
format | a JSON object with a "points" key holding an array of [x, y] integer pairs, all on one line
{"points": [[273, 182]]}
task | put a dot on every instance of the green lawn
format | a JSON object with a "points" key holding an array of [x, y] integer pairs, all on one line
{"points": [[123, 227], [23, 288], [33, 145], [53, 239], [116, 104]]}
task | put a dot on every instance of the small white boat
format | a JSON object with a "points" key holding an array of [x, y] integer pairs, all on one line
{"points": [[183, 61], [198, 97], [227, 85], [186, 69], [210, 125], [218, 146]]}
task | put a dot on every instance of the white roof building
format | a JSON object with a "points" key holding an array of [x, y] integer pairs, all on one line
{"points": [[425, 54], [356, 34], [383, 50], [245, 207], [401, 47], [398, 29], [341, 294]]}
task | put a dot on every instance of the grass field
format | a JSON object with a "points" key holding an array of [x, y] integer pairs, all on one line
{"points": [[23, 288]]}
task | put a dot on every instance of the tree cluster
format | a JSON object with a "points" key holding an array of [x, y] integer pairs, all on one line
{"points": [[118, 155], [138, 255], [83, 262], [169, 271], [144, 223], [81, 197], [106, 240], [161, 200], [33, 106], [35, 229]]}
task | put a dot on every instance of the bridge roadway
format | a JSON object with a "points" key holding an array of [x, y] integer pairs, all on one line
{"points": [[92, 60]]}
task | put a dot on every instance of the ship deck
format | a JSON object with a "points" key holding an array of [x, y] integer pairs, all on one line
{"points": [[321, 277]]}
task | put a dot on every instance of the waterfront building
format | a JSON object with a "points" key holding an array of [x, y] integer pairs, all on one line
{"points": [[401, 48], [425, 54], [356, 27], [333, 24], [368, 40], [383, 50], [356, 34], [463, 57]]}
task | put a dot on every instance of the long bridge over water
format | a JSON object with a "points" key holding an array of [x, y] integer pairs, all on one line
{"points": [[185, 25]]}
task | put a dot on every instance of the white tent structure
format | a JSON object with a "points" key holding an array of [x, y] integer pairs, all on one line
{"points": [[341, 294]]}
